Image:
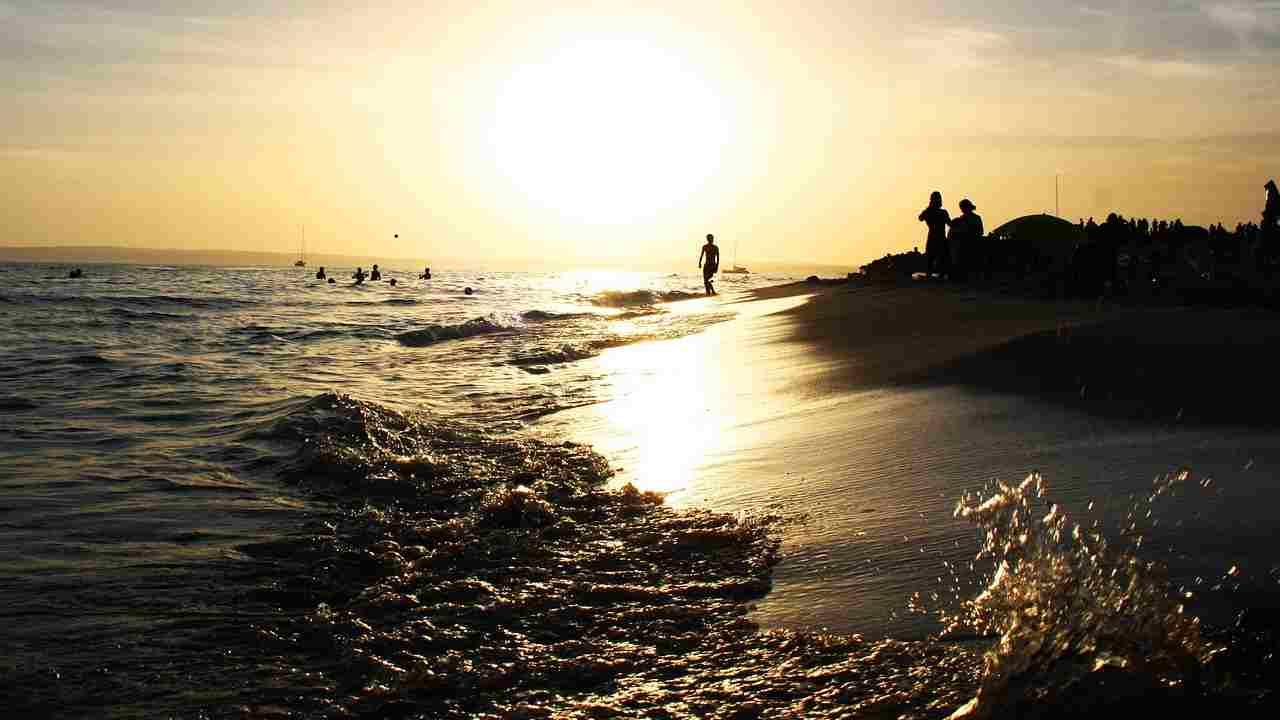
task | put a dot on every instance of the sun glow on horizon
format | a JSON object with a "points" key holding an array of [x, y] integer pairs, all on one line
{"points": [[609, 130]]}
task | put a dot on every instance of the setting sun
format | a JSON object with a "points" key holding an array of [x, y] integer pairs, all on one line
{"points": [[609, 130]]}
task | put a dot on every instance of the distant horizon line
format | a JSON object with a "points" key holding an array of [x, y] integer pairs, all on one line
{"points": [[31, 253], [1272, 135]]}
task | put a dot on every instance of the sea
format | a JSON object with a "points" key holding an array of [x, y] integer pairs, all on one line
{"points": [[246, 492]]}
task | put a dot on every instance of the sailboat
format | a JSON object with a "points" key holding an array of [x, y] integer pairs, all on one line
{"points": [[302, 250], [736, 269]]}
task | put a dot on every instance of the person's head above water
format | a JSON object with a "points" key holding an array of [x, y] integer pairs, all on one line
{"points": [[468, 291], [966, 206], [935, 199]]}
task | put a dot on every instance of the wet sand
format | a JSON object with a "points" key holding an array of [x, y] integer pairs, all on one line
{"points": [[1151, 363], [519, 579], [865, 412]]}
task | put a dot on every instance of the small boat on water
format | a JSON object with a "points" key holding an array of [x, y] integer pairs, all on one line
{"points": [[302, 250], [736, 269]]}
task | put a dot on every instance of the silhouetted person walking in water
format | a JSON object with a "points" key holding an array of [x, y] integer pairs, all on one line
{"points": [[712, 255], [937, 254], [320, 273], [968, 253]]}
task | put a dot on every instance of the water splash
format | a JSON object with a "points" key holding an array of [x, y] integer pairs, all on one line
{"points": [[1073, 615]]}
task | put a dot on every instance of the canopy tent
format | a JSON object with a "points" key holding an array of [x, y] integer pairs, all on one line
{"points": [[1042, 240]]}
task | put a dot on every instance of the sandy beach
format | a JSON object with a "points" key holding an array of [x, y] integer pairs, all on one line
{"points": [[864, 412], [1155, 363]]}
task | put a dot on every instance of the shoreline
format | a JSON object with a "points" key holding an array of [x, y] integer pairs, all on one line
{"points": [[1152, 363]]}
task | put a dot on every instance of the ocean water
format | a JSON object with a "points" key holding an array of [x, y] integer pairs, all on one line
{"points": [[137, 462], [241, 492]]}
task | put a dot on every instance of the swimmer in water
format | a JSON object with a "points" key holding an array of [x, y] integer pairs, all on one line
{"points": [[468, 291], [426, 274], [375, 275], [358, 275], [332, 281], [392, 281], [320, 273]]}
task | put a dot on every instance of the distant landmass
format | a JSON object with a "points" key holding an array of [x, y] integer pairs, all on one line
{"points": [[107, 254]]}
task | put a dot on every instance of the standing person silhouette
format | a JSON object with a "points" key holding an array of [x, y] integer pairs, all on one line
{"points": [[1270, 218], [937, 254], [968, 254], [1271, 211], [712, 255]]}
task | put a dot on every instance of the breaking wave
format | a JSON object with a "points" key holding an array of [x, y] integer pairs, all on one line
{"points": [[628, 298], [581, 351], [466, 575], [436, 333], [547, 315]]}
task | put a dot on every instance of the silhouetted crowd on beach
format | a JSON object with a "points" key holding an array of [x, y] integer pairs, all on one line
{"points": [[1119, 257]]}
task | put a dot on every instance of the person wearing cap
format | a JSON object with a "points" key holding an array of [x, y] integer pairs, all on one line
{"points": [[966, 242]]}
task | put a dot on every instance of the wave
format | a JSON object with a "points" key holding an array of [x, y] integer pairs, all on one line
{"points": [[565, 353], [388, 301], [90, 359], [627, 298], [633, 314], [136, 315], [436, 333], [461, 570], [10, 404], [145, 301], [547, 315], [203, 303], [570, 352]]}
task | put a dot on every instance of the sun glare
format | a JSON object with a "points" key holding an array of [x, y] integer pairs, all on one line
{"points": [[608, 131]]}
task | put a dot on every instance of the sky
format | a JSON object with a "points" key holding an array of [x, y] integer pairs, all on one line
{"points": [[610, 132]]}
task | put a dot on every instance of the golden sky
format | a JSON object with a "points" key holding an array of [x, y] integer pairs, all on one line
{"points": [[610, 132]]}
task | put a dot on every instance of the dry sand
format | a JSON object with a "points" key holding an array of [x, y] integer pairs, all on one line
{"points": [[1160, 363]]}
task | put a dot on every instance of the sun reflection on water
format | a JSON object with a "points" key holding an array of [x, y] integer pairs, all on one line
{"points": [[667, 410]]}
